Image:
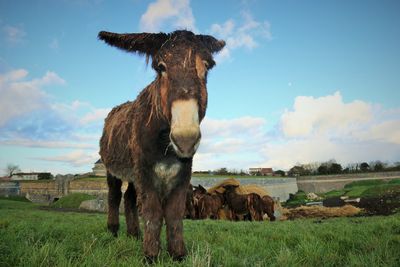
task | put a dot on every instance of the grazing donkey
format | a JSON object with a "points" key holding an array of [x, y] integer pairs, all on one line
{"points": [[150, 142], [243, 205], [207, 205]]}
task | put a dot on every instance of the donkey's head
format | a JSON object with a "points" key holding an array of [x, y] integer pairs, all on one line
{"points": [[181, 60]]}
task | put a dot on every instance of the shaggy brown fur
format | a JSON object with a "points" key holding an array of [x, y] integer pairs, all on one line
{"points": [[268, 207], [209, 206], [190, 210], [242, 205], [138, 144]]}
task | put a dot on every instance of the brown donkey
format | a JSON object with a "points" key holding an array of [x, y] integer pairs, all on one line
{"points": [[207, 205], [150, 142], [243, 205]]}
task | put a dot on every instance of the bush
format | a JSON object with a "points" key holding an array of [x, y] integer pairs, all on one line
{"points": [[72, 201]]}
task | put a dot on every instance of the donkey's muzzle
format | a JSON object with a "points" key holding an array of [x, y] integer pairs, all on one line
{"points": [[185, 129], [185, 142]]}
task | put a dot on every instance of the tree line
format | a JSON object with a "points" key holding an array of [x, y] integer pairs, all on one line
{"points": [[332, 167]]}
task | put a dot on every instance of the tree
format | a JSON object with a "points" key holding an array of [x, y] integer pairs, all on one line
{"points": [[335, 168], [280, 173], [323, 169], [378, 166], [221, 171], [11, 169], [298, 171], [364, 167]]}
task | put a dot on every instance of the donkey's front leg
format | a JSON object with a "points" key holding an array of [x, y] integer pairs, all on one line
{"points": [[152, 215], [174, 211]]}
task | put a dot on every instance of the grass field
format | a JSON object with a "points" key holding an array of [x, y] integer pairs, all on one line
{"points": [[32, 237]]}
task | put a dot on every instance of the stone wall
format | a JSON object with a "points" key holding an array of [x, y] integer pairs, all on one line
{"points": [[40, 191]]}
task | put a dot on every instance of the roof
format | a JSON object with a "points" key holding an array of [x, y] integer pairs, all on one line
{"points": [[98, 161]]}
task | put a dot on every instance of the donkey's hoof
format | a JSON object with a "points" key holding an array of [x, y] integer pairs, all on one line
{"points": [[113, 228], [179, 257], [137, 235], [150, 259]]}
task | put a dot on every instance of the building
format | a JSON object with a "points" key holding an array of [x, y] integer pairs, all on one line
{"points": [[261, 171], [26, 176], [99, 169]]}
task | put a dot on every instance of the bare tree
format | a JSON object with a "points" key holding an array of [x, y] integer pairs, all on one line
{"points": [[11, 169]]}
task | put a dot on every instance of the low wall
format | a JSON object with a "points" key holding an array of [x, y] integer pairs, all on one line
{"points": [[91, 187], [338, 182], [40, 191], [9, 188]]}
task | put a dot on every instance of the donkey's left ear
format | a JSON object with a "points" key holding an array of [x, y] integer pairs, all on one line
{"points": [[211, 43], [142, 43]]}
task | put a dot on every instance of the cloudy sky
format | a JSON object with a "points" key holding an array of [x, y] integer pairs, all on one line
{"points": [[298, 82]]}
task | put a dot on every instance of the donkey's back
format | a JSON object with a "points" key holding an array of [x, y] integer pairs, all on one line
{"points": [[114, 143]]}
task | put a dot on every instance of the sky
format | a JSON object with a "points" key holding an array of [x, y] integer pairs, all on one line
{"points": [[298, 81]]}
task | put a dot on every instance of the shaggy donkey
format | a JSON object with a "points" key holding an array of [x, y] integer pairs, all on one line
{"points": [[243, 205], [150, 142]]}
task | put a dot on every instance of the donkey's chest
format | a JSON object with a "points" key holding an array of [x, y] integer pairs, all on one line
{"points": [[166, 176]]}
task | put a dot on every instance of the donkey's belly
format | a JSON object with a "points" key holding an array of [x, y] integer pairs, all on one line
{"points": [[125, 174]]}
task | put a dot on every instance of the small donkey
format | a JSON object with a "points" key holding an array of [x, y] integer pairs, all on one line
{"points": [[150, 142]]}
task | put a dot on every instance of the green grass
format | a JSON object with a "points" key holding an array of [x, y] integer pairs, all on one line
{"points": [[394, 181], [365, 183], [72, 201], [333, 193], [15, 198], [32, 237]]}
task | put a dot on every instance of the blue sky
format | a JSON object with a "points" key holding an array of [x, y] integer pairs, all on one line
{"points": [[298, 82]]}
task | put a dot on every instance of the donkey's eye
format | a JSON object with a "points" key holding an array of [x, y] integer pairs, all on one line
{"points": [[161, 67], [206, 64]]}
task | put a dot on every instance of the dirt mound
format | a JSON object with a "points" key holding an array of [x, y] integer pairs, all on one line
{"points": [[381, 205]]}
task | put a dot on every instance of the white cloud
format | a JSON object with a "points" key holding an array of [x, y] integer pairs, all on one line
{"points": [[240, 36], [324, 115], [319, 129], [29, 117], [95, 116], [75, 158], [14, 34], [20, 97], [163, 14], [23, 142]]}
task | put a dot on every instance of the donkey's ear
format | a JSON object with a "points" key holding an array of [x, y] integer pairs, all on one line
{"points": [[211, 43], [142, 43]]}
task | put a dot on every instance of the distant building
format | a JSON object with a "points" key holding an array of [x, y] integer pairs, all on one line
{"points": [[26, 176], [99, 169], [261, 171]]}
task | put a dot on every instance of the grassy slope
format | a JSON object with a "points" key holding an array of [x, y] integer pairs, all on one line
{"points": [[31, 237], [367, 188]]}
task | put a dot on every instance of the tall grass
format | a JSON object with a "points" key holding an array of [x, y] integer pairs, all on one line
{"points": [[32, 237]]}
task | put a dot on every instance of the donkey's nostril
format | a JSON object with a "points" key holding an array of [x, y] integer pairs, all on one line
{"points": [[185, 145]]}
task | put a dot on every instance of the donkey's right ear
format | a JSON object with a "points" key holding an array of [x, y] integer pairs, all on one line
{"points": [[142, 43]]}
